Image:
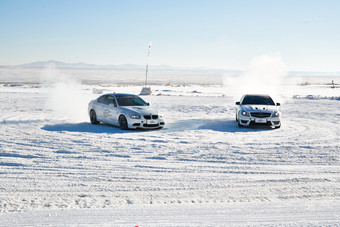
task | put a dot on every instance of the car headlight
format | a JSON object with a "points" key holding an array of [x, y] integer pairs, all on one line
{"points": [[244, 113], [161, 116], [135, 116], [275, 114]]}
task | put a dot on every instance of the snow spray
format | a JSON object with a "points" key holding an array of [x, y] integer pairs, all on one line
{"points": [[64, 95], [264, 75]]}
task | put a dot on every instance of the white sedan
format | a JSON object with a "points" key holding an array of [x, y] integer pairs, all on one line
{"points": [[124, 110], [258, 110]]}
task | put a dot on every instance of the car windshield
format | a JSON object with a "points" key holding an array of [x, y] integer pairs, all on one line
{"points": [[130, 100], [257, 100]]}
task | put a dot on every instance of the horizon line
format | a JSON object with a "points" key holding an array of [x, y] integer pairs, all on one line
{"points": [[97, 66]]}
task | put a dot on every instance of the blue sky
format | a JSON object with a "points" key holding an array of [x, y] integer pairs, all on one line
{"points": [[217, 34]]}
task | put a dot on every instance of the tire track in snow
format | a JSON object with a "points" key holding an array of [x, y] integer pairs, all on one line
{"points": [[200, 157]]}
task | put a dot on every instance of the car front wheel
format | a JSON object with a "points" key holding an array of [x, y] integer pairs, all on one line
{"points": [[239, 124], [123, 124], [93, 118]]}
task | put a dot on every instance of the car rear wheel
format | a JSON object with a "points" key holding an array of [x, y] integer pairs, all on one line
{"points": [[123, 124], [93, 117]]}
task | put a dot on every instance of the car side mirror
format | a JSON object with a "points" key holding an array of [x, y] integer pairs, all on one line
{"points": [[237, 103], [148, 104], [278, 104]]}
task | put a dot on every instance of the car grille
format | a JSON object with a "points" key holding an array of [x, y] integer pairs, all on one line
{"points": [[260, 114], [253, 123], [149, 117], [153, 125]]}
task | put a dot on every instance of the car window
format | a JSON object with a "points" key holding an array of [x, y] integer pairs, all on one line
{"points": [[111, 100], [129, 100], [257, 100], [103, 99]]}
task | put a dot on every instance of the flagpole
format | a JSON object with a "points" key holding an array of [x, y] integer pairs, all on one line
{"points": [[146, 75], [147, 65], [147, 90]]}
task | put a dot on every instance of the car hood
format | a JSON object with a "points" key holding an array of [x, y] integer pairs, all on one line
{"points": [[142, 110], [260, 108]]}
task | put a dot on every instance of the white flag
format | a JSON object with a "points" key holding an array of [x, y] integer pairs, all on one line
{"points": [[149, 51]]}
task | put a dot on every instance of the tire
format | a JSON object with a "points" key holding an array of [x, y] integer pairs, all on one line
{"points": [[93, 117], [123, 124], [238, 124]]}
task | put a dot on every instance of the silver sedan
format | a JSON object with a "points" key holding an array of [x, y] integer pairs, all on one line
{"points": [[124, 110], [258, 110]]}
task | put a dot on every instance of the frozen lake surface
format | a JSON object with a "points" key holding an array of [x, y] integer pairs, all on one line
{"points": [[201, 169]]}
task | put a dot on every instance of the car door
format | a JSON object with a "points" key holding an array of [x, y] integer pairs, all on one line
{"points": [[102, 108], [112, 110]]}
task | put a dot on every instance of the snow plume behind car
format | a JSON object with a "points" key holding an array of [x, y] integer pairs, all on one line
{"points": [[65, 95], [264, 74]]}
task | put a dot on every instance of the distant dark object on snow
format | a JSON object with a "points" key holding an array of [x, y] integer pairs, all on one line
{"points": [[146, 91]]}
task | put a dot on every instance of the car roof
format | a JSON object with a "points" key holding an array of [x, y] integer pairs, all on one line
{"points": [[256, 95], [263, 95], [120, 94]]}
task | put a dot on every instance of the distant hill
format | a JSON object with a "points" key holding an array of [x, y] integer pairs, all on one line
{"points": [[128, 67], [80, 65], [153, 68]]}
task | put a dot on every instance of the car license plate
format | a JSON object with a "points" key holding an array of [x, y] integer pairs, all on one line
{"points": [[151, 122], [260, 120]]}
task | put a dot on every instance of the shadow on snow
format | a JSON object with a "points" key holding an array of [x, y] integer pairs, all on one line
{"points": [[86, 127], [231, 126], [220, 125]]}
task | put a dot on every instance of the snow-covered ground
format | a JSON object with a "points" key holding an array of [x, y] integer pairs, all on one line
{"points": [[200, 170]]}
